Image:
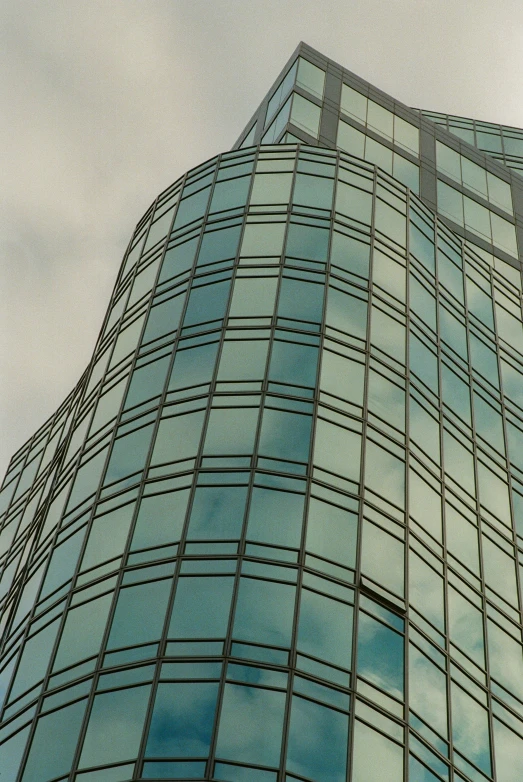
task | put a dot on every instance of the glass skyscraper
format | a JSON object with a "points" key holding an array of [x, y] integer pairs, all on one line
{"points": [[275, 533]]}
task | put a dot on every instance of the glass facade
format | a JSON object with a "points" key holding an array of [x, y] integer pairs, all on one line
{"points": [[275, 534]]}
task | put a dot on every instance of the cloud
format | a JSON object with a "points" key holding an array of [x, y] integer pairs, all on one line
{"points": [[104, 104]]}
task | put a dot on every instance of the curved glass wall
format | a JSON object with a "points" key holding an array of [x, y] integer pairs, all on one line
{"points": [[273, 533]]}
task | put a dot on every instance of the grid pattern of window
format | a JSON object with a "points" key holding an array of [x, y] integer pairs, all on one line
{"points": [[276, 533], [502, 142]]}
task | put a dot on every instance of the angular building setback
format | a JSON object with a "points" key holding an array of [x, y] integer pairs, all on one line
{"points": [[272, 534]]}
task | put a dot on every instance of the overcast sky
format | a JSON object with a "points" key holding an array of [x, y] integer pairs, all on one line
{"points": [[105, 103]]}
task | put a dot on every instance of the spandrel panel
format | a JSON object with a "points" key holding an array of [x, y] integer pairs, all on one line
{"points": [[325, 629], [264, 612], [115, 726], [201, 607], [318, 741], [251, 725], [54, 743], [217, 513], [182, 720], [275, 517]]}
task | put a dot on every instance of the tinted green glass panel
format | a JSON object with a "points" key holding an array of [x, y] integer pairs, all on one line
{"points": [[182, 720]]}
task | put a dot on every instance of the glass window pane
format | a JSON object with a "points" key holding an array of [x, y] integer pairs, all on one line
{"points": [[353, 103], [310, 77], [217, 513], [350, 139], [139, 614], [375, 757], [231, 431], [264, 612], [253, 297], [325, 628], [305, 115], [183, 719], [332, 532], [251, 725], [201, 607], [54, 744], [115, 726], [275, 517], [318, 739]]}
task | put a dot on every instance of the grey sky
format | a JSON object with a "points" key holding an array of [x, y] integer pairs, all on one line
{"points": [[106, 102]]}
